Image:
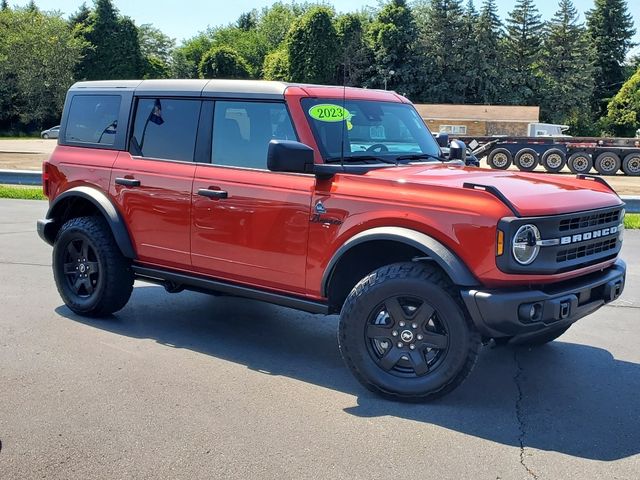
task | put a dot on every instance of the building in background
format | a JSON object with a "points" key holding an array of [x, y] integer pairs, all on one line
{"points": [[478, 119]]}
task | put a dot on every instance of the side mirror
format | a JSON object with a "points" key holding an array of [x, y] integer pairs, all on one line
{"points": [[289, 156], [442, 139], [457, 150]]}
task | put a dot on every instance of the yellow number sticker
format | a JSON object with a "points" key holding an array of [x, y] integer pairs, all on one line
{"points": [[327, 112]]}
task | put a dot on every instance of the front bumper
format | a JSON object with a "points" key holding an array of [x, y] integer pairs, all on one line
{"points": [[45, 229], [523, 313]]}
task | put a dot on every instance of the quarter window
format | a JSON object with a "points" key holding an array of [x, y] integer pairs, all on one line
{"points": [[93, 119], [165, 128], [242, 132]]}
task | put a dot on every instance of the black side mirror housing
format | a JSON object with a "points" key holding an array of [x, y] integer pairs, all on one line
{"points": [[289, 156], [457, 150], [442, 139]]}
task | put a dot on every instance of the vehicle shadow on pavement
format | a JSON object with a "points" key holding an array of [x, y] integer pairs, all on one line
{"points": [[568, 398]]}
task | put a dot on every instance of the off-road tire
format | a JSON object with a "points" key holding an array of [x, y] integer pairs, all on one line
{"points": [[580, 162], [553, 160], [500, 159], [399, 282], [112, 283], [526, 159], [607, 163], [544, 338]]}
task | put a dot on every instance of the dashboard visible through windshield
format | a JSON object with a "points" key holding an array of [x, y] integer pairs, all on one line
{"points": [[365, 130]]}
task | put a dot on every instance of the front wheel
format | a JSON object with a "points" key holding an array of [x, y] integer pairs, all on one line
{"points": [[92, 275], [405, 335]]}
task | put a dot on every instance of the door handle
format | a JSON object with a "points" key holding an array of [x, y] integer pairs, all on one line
{"points": [[128, 182], [205, 192]]}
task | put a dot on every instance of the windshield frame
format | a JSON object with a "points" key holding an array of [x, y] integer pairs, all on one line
{"points": [[390, 158]]}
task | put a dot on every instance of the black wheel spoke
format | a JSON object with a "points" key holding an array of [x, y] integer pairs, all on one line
{"points": [[378, 331], [73, 251], [395, 310], [423, 314], [390, 359], [92, 267], [88, 286], [70, 268], [77, 284], [434, 340], [85, 250], [418, 362]]}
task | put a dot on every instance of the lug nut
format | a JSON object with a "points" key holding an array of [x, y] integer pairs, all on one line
{"points": [[402, 324], [399, 344], [420, 337], [394, 333], [414, 325], [412, 346]]}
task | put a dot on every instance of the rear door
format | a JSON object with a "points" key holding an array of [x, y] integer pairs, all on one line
{"points": [[250, 225], [151, 183]]}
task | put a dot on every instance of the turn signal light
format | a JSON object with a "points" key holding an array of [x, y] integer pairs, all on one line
{"points": [[500, 243]]}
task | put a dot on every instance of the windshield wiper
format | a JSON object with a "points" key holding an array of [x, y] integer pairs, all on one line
{"points": [[361, 158], [420, 156]]}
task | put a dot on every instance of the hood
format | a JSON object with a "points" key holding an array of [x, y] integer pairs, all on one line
{"points": [[532, 194]]}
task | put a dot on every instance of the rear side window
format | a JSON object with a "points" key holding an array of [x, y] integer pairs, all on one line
{"points": [[165, 128], [242, 132], [93, 119]]}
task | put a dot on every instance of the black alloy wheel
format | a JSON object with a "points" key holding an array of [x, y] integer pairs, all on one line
{"points": [[81, 266]]}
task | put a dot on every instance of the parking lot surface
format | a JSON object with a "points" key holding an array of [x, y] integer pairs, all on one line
{"points": [[189, 386]]}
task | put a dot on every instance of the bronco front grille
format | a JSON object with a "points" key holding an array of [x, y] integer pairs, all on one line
{"points": [[587, 250], [585, 221]]}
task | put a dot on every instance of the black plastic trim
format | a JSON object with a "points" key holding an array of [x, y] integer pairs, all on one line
{"points": [[583, 176], [432, 248], [210, 285], [104, 205], [495, 192]]}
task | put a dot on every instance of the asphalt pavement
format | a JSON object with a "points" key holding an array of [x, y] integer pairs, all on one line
{"points": [[189, 386]]}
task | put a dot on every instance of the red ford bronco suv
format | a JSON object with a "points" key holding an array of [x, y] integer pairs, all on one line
{"points": [[327, 200]]}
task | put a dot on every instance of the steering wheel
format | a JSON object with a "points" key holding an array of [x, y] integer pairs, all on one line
{"points": [[379, 147]]}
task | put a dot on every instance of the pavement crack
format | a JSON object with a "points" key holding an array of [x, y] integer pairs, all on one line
{"points": [[520, 416], [26, 264]]}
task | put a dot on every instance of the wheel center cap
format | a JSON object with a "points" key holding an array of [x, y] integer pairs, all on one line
{"points": [[83, 268], [407, 336]]}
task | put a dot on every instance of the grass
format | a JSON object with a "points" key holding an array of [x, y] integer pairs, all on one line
{"points": [[632, 221], [21, 192]]}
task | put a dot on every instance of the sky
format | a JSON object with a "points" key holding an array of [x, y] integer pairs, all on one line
{"points": [[183, 19]]}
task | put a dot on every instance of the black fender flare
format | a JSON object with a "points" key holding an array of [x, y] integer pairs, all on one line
{"points": [[432, 249], [105, 207]]}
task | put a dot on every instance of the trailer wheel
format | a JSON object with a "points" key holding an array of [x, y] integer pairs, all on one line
{"points": [[500, 158], [631, 164], [553, 160], [526, 159], [580, 162], [607, 163]]}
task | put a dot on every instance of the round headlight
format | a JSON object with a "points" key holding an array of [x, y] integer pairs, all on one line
{"points": [[525, 244]]}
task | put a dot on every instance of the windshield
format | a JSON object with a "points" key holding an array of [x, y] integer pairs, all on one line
{"points": [[385, 130]]}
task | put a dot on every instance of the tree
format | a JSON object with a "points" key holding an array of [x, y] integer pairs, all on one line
{"points": [[623, 111], [312, 44], [522, 47], [356, 56], [156, 49], [567, 66], [393, 36], [4, 5], [276, 65], [611, 29], [223, 62], [187, 57], [114, 45], [489, 55], [81, 16]]}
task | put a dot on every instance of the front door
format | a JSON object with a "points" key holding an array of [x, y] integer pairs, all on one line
{"points": [[151, 183], [250, 225]]}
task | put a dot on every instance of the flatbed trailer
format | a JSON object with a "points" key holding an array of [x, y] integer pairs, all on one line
{"points": [[579, 154]]}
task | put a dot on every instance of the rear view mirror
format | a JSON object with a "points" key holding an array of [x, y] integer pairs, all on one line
{"points": [[442, 139], [289, 156]]}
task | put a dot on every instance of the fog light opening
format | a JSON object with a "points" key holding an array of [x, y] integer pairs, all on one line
{"points": [[530, 312]]}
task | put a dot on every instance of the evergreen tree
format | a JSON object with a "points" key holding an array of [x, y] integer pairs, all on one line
{"points": [[81, 16], [356, 55], [489, 57], [4, 5], [393, 35], [567, 66], [522, 48], [611, 28], [115, 48], [223, 62], [312, 44]]}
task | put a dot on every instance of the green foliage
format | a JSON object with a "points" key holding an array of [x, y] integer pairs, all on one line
{"points": [[114, 51], [632, 221], [276, 66], [4, 5], [522, 46], [22, 193], [312, 44], [223, 62], [38, 55], [611, 29], [623, 111], [186, 58], [355, 55], [489, 55], [567, 68], [156, 48]]}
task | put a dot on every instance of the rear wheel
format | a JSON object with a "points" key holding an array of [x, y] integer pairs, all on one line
{"points": [[607, 163], [45, 136], [92, 275], [553, 160], [500, 158], [580, 162], [526, 159], [631, 164], [405, 335]]}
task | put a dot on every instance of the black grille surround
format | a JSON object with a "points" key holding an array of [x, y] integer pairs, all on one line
{"points": [[573, 251]]}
